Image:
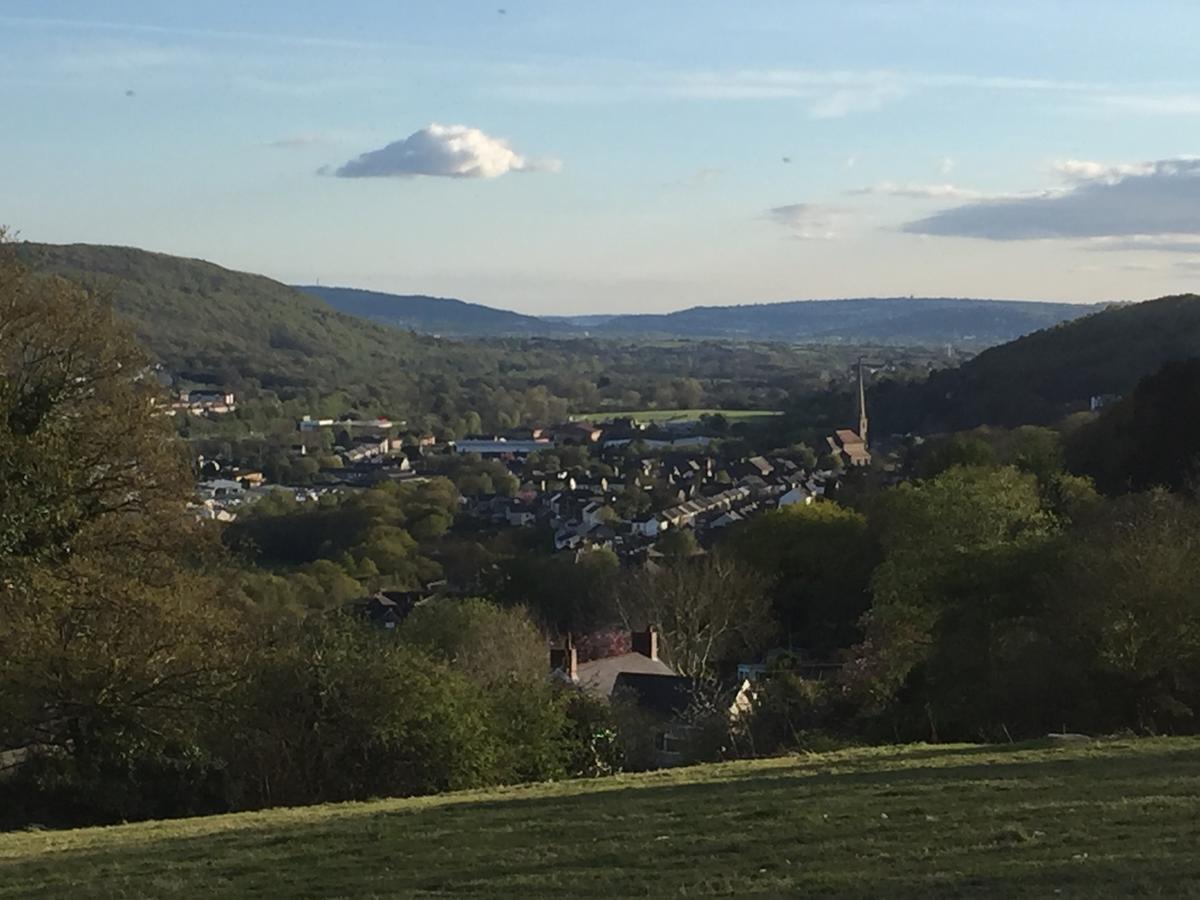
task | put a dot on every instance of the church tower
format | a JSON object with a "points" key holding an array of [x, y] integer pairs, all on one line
{"points": [[862, 404]]}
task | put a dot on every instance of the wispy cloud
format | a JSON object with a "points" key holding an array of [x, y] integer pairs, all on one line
{"points": [[1144, 244], [697, 179], [261, 37], [445, 151], [918, 191], [1154, 104], [827, 93], [809, 221], [308, 139]]}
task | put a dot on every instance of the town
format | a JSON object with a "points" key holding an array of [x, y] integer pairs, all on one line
{"points": [[619, 484]]}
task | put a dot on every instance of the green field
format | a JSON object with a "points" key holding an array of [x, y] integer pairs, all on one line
{"points": [[670, 415], [1114, 818]]}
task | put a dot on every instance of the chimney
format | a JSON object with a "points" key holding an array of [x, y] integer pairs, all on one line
{"points": [[564, 659], [645, 642]]}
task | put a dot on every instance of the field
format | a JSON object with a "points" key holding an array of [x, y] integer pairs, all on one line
{"points": [[1113, 818], [675, 415]]}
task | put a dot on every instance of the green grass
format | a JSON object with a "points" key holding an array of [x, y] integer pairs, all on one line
{"points": [[1111, 818], [668, 415]]}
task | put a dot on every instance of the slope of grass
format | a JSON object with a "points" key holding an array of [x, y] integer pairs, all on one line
{"points": [[1115, 818]]}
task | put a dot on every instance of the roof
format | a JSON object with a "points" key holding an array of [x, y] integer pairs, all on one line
{"points": [[666, 695], [848, 436], [600, 675], [761, 464]]}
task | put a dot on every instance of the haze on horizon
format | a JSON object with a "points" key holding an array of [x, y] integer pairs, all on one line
{"points": [[621, 157]]}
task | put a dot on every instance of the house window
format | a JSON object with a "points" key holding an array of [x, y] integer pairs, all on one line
{"points": [[668, 743]]}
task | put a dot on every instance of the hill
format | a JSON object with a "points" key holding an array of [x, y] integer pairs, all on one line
{"points": [[435, 315], [1041, 377], [213, 325], [909, 322], [292, 354], [1077, 820], [896, 321]]}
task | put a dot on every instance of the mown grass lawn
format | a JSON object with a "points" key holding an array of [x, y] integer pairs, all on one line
{"points": [[1101, 819]]}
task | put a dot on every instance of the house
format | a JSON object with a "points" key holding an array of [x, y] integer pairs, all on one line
{"points": [[364, 448], [582, 433], [650, 526], [500, 447], [797, 496], [599, 676], [387, 609], [593, 513], [664, 697], [519, 514]]}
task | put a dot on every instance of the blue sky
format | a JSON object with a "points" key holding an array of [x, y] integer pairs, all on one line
{"points": [[619, 156]]}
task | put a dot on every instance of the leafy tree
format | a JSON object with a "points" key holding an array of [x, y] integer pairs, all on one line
{"points": [[1124, 602], [113, 642], [336, 710], [937, 538], [678, 544], [820, 559], [491, 644]]}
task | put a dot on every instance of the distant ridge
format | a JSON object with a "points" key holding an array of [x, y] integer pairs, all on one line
{"points": [[963, 322], [434, 315], [967, 323]]}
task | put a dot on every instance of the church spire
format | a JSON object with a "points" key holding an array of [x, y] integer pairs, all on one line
{"points": [[862, 404]]}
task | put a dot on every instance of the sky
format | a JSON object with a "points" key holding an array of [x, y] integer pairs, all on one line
{"points": [[641, 156]]}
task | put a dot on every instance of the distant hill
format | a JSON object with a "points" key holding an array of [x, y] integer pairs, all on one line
{"points": [[435, 315], [970, 324], [1039, 378], [900, 321]]}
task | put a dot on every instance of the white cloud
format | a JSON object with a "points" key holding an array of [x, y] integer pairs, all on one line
{"points": [[1081, 170], [446, 151], [1179, 243], [809, 221], [945, 165], [1156, 198], [918, 191]]}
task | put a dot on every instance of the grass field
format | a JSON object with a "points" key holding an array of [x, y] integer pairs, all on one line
{"points": [[670, 415], [1117, 819]]}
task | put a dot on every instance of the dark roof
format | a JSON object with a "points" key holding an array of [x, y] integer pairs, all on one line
{"points": [[387, 606], [667, 695]]}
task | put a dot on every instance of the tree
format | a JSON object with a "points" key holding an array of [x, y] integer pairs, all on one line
{"points": [[945, 543], [114, 643], [678, 544], [1124, 603], [336, 710], [488, 643], [707, 611], [820, 559]]}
